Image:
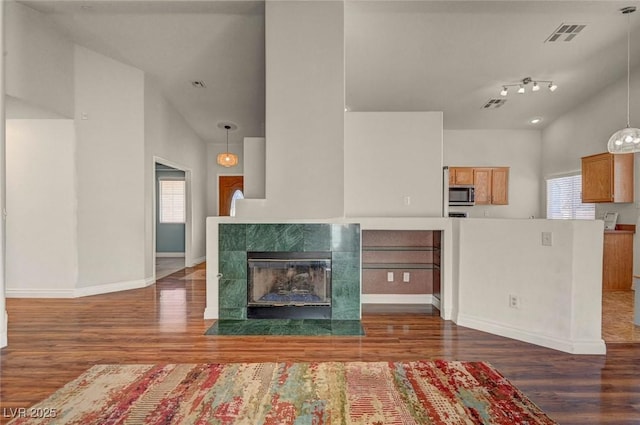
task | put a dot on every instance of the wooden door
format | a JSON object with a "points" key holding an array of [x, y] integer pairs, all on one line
{"points": [[227, 185], [482, 182], [500, 186]]}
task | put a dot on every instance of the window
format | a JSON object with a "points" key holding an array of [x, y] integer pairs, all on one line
{"points": [[564, 199], [172, 201], [236, 195]]}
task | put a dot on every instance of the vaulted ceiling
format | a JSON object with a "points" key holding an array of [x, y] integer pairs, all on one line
{"points": [[450, 56]]}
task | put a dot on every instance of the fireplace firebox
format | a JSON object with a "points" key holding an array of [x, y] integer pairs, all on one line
{"points": [[289, 285]]}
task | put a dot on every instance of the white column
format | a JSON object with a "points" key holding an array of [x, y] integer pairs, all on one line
{"points": [[304, 43]]}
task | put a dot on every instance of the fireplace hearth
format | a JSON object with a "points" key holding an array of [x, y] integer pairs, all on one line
{"points": [[289, 285]]}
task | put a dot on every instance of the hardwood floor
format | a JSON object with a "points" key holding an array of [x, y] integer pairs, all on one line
{"points": [[54, 341]]}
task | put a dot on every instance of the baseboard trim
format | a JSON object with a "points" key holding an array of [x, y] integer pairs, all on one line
{"points": [[210, 314], [169, 254], [396, 299], [107, 288], [567, 346], [40, 293], [4, 340], [436, 302], [84, 291], [198, 260]]}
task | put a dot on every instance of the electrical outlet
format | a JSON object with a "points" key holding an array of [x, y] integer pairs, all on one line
{"points": [[486, 213], [406, 277], [547, 238], [514, 301], [389, 276]]}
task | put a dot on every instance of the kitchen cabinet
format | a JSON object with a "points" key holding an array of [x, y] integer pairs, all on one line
{"points": [[607, 178], [460, 176], [617, 261], [491, 185]]}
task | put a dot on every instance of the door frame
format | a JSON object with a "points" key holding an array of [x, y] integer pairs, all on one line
{"points": [[188, 239], [218, 175]]}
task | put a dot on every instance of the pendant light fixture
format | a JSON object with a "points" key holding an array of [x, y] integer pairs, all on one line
{"points": [[626, 140], [227, 159]]}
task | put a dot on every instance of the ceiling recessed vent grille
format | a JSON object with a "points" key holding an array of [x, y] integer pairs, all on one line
{"points": [[494, 103], [565, 32]]}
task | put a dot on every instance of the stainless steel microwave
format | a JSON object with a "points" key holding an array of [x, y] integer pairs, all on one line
{"points": [[462, 195]]}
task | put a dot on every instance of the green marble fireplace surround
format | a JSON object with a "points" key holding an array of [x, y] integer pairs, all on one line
{"points": [[342, 240]]}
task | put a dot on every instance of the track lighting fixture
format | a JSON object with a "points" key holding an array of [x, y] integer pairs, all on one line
{"points": [[524, 82]]}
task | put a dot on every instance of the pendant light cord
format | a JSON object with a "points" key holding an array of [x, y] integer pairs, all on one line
{"points": [[628, 66]]}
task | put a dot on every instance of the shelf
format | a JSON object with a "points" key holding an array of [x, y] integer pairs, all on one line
{"points": [[403, 266], [400, 248]]}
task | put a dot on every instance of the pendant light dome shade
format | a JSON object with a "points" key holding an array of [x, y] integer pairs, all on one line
{"points": [[626, 140], [227, 159]]}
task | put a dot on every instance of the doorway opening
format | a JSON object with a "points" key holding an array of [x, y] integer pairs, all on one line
{"points": [[171, 219]]}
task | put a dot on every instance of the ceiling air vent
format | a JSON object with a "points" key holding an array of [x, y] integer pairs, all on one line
{"points": [[565, 32], [494, 103]]}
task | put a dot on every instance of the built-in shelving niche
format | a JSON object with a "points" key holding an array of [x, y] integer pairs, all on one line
{"points": [[400, 254]]}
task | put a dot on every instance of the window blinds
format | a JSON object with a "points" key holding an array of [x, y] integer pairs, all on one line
{"points": [[564, 199], [172, 201]]}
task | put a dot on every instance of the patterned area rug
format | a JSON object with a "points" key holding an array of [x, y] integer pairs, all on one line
{"points": [[358, 393]]}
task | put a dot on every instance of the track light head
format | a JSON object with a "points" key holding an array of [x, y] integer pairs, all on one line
{"points": [[552, 87], [521, 89], [504, 91]]}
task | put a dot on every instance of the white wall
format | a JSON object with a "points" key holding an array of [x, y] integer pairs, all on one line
{"points": [[304, 109], [559, 286], [3, 260], [168, 136], [39, 65], [254, 167], [42, 252], [520, 150], [390, 156], [110, 163], [584, 131]]}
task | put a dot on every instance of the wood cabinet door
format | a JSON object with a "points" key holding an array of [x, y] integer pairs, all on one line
{"points": [[462, 175], [500, 186], [623, 177], [597, 178], [482, 183], [617, 265]]}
